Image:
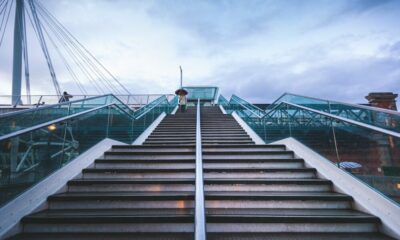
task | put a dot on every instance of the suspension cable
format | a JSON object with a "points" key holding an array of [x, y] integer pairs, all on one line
{"points": [[85, 49], [44, 47], [6, 22], [79, 51]]}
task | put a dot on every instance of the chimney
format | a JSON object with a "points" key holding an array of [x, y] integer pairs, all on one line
{"points": [[382, 100]]}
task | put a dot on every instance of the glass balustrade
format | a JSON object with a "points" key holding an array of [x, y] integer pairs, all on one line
{"points": [[33, 154], [361, 150], [16, 121], [382, 118]]}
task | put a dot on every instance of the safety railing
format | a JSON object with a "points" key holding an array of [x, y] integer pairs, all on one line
{"points": [[31, 154], [239, 105], [15, 121], [379, 117], [133, 100], [367, 152], [222, 101], [200, 220]]}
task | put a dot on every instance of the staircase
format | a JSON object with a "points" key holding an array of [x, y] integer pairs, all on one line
{"points": [[251, 191], [265, 192]]}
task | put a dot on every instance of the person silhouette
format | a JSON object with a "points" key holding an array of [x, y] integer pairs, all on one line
{"points": [[65, 97]]}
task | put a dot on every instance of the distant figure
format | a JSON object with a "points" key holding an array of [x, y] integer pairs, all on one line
{"points": [[65, 97], [182, 102]]}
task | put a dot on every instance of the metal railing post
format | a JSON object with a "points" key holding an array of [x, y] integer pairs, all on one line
{"points": [[199, 218]]}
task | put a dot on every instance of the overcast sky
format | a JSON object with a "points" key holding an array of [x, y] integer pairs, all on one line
{"points": [[258, 50]]}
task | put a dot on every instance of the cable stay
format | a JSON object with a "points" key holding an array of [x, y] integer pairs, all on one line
{"points": [[82, 67], [43, 44]]}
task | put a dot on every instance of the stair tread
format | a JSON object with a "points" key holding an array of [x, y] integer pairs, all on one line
{"points": [[205, 169], [210, 236], [228, 195], [168, 195], [207, 181]]}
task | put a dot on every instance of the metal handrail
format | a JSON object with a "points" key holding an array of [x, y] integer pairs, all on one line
{"points": [[360, 124], [199, 218], [50, 106], [158, 100], [259, 109], [38, 126], [258, 115], [388, 111]]}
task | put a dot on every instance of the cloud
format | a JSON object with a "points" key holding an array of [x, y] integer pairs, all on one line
{"points": [[256, 49], [346, 80]]}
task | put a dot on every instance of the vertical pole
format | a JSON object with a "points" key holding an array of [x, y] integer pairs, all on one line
{"points": [[181, 76], [17, 54]]}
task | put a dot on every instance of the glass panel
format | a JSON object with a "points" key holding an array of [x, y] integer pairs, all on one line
{"points": [[222, 101], [204, 93], [27, 118], [374, 116], [249, 108], [371, 156], [28, 158]]}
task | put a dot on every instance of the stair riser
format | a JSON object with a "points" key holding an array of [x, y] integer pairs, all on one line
{"points": [[120, 204], [213, 175], [150, 157], [266, 187], [131, 187], [222, 141], [145, 165], [268, 175], [238, 149], [247, 156], [254, 165], [283, 204], [153, 150], [111, 227], [184, 175], [115, 187], [292, 227], [187, 143]]}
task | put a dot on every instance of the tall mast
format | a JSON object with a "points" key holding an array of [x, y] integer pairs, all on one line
{"points": [[17, 53]]}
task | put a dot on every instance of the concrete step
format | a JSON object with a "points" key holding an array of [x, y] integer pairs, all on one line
{"points": [[188, 161], [227, 141], [187, 184], [132, 155], [183, 143], [297, 236], [121, 200], [151, 149], [187, 171], [259, 173], [131, 185], [102, 221], [264, 185], [138, 173], [210, 236], [271, 163], [244, 148], [279, 223], [249, 155], [281, 200]]}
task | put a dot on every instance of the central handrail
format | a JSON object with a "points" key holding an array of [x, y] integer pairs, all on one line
{"points": [[199, 218]]}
